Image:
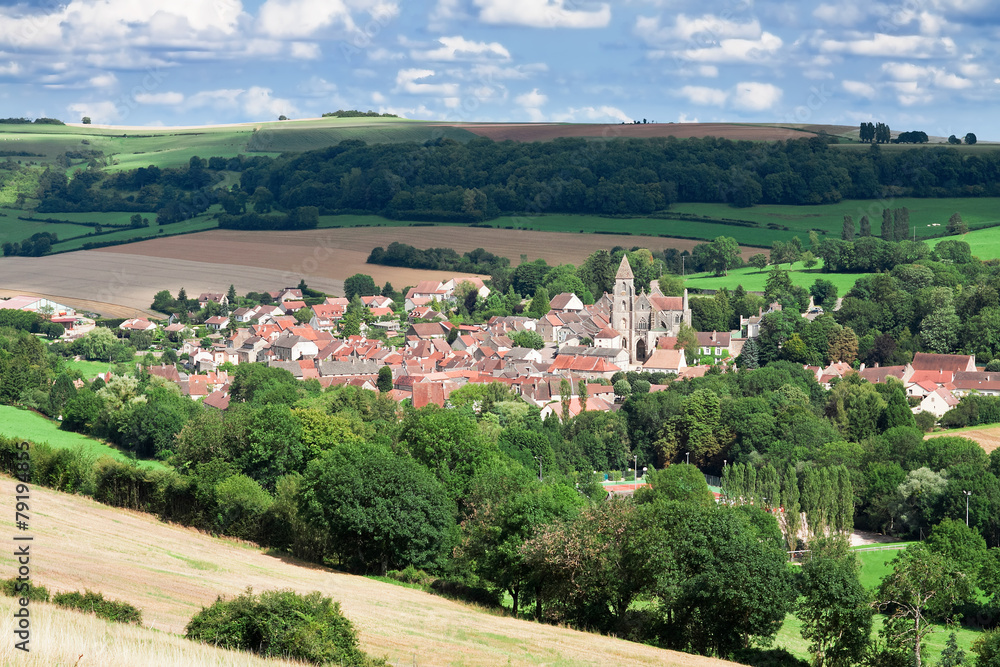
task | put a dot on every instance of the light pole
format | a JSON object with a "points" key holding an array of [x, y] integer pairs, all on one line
{"points": [[539, 468], [967, 494], [635, 481], [688, 457]]}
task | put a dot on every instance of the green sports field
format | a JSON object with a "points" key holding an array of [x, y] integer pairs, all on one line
{"points": [[27, 425]]}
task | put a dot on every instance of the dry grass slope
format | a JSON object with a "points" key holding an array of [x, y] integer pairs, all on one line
{"points": [[170, 572], [63, 637]]}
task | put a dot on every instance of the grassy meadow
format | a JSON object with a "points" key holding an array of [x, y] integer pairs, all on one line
{"points": [[27, 425], [754, 280]]}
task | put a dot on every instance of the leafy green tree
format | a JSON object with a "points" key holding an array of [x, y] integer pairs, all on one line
{"points": [[681, 483], [723, 254], [824, 292], [758, 261], [622, 389], [539, 303], [922, 584], [303, 315], [241, 503], [381, 510], [866, 227], [956, 225], [528, 338], [835, 608], [963, 547], [970, 138], [360, 284], [384, 379], [793, 511], [449, 443]]}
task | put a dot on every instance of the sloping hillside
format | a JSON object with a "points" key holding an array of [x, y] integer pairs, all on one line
{"points": [[170, 572]]}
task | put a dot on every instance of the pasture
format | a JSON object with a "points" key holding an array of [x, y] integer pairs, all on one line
{"points": [[170, 572], [31, 426], [828, 219], [755, 280], [985, 243]]}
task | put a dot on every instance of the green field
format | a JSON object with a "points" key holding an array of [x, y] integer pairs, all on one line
{"points": [[829, 218], [874, 566], [140, 147], [755, 280], [27, 425], [196, 224], [985, 243], [89, 369]]}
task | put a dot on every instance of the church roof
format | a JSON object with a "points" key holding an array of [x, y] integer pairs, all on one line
{"points": [[624, 270]]}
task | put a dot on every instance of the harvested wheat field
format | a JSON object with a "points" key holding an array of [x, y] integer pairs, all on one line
{"points": [[988, 437], [170, 572], [549, 131], [340, 252]]}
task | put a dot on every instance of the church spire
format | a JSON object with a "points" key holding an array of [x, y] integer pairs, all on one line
{"points": [[624, 270]]}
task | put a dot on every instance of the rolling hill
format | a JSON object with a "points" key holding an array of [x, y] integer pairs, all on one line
{"points": [[170, 572]]}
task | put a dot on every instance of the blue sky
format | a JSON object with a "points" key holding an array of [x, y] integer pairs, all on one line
{"points": [[916, 64]]}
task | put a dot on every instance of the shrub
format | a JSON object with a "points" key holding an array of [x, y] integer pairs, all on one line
{"points": [[95, 603], [987, 649], [281, 624], [411, 575], [35, 592]]}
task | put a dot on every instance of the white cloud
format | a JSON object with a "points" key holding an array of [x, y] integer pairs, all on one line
{"points": [[407, 81], [533, 100], [704, 96], [755, 96], [102, 113], [11, 69], [859, 88], [542, 14], [738, 50], [892, 46], [258, 101], [459, 48], [936, 76], [303, 18], [171, 98], [844, 14], [106, 80], [306, 50]]}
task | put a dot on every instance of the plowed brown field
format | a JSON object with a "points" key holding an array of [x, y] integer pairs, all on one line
{"points": [[549, 131], [170, 572], [339, 253]]}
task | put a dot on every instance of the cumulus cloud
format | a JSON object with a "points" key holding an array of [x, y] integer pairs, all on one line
{"points": [[171, 98], [306, 50], [704, 95], [738, 50], [859, 88], [534, 99], [409, 81], [106, 80], [892, 46], [459, 48], [542, 13], [102, 113], [285, 19], [842, 14], [756, 96], [701, 29]]}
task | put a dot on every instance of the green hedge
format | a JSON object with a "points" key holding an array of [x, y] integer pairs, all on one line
{"points": [[35, 592]]}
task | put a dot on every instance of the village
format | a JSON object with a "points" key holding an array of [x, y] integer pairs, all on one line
{"points": [[584, 348]]}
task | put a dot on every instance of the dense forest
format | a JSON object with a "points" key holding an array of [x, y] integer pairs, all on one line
{"points": [[447, 181]]}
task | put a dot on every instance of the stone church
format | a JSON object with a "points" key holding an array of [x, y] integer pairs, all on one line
{"points": [[642, 318]]}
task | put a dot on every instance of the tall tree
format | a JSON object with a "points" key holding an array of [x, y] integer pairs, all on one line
{"points": [[793, 512], [888, 225], [956, 225], [902, 219], [835, 608], [922, 584], [724, 254], [866, 227], [847, 233]]}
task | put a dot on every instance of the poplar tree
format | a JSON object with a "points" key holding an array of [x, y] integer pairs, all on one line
{"points": [[866, 226], [847, 233], [888, 227], [793, 516], [845, 493]]}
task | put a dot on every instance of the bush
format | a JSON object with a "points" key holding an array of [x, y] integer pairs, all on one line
{"points": [[35, 592], [925, 421], [411, 575], [987, 649], [281, 624], [90, 602]]}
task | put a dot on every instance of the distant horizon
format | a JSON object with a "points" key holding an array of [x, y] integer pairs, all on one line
{"points": [[934, 68]]}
